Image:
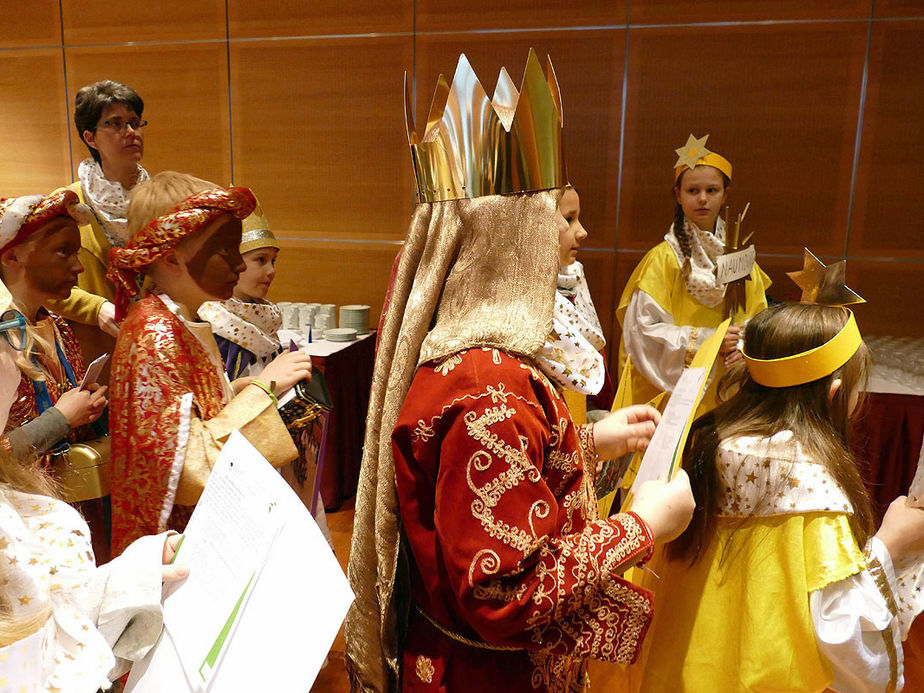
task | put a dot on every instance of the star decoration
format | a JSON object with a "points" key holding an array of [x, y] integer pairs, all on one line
{"points": [[691, 152], [824, 284], [25, 600]]}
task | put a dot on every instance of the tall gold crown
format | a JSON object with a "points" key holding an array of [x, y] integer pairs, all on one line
{"points": [[474, 146]]}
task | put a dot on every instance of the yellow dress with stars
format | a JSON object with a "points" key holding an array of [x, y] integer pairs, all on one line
{"points": [[740, 618]]}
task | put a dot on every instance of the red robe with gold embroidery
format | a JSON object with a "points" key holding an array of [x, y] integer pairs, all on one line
{"points": [[506, 550]]}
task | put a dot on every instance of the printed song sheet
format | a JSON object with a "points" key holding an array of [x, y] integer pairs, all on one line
{"points": [[265, 595]]}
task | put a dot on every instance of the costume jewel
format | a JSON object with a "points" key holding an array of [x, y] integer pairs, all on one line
{"points": [[694, 153], [474, 146]]}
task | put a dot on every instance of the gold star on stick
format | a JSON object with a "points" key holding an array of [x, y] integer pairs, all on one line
{"points": [[824, 284], [692, 151]]}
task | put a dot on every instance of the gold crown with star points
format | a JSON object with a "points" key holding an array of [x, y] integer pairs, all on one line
{"points": [[473, 145], [823, 285], [694, 153]]}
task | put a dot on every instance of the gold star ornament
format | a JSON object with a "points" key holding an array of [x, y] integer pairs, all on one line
{"points": [[692, 151], [824, 284]]}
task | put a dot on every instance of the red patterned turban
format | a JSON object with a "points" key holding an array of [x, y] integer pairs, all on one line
{"points": [[163, 234], [20, 217]]}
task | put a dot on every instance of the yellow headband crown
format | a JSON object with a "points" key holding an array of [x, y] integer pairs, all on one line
{"points": [[694, 153], [808, 365], [474, 146]]}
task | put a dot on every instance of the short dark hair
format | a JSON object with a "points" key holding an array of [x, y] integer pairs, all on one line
{"points": [[93, 98]]}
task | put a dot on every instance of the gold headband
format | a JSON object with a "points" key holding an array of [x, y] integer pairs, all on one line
{"points": [[809, 365], [694, 153], [256, 239]]}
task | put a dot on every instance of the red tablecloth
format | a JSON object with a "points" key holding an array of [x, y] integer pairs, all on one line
{"points": [[889, 439], [349, 378]]}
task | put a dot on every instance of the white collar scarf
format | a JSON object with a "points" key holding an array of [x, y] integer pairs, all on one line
{"points": [[571, 354], [108, 200], [252, 326], [705, 248]]}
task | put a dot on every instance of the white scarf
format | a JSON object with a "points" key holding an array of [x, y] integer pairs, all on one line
{"points": [[108, 200], [571, 354], [252, 326], [705, 248]]}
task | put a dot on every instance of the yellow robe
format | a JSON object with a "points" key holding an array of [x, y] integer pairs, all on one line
{"points": [[659, 276]]}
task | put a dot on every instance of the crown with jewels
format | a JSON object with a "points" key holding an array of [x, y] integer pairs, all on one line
{"points": [[474, 146]]}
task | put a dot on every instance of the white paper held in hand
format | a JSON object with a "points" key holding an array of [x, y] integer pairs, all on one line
{"points": [[663, 453], [258, 565]]}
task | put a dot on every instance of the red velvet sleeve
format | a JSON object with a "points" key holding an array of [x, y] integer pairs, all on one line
{"points": [[514, 533]]}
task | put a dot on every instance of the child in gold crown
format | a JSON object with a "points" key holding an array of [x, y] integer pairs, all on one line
{"points": [[673, 302], [172, 404], [780, 582]]}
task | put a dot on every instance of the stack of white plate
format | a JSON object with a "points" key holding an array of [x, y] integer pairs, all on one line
{"points": [[340, 334], [355, 317]]}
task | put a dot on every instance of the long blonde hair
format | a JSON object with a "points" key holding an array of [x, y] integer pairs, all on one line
{"points": [[820, 423]]}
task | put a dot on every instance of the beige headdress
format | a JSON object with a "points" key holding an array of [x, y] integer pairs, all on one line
{"points": [[476, 270]]}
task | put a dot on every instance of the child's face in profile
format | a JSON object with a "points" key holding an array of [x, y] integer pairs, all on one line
{"points": [[258, 275], [212, 257], [570, 231]]}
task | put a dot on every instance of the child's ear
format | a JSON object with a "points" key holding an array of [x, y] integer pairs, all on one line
{"points": [[171, 262], [833, 388]]}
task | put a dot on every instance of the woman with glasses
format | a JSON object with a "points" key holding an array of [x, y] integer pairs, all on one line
{"points": [[108, 119]]}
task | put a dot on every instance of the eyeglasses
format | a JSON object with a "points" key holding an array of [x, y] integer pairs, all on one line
{"points": [[13, 328], [120, 125]]}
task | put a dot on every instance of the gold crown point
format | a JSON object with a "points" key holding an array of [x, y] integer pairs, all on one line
{"points": [[554, 90], [505, 98]]}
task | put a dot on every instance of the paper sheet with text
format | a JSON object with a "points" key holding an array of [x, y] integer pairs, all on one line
{"points": [[663, 456], [265, 595]]}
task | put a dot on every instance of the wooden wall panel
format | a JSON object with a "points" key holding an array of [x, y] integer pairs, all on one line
{"points": [[898, 8], [787, 129], [449, 15], [589, 65], [341, 273], [320, 17], [37, 23], [679, 11], [33, 129], [893, 294], [164, 20], [185, 92], [887, 215], [326, 153]]}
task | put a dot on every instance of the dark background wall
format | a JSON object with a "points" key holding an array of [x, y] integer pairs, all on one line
{"points": [[817, 105]]}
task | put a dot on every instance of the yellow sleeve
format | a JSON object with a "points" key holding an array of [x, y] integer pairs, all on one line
{"points": [[80, 306]]}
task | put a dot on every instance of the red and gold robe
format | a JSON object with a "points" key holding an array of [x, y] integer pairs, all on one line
{"points": [[170, 414], [500, 519]]}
